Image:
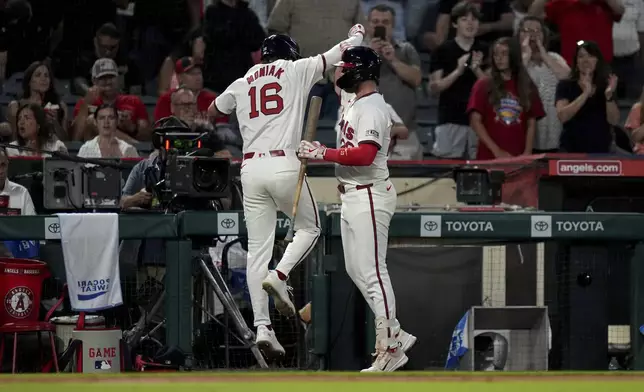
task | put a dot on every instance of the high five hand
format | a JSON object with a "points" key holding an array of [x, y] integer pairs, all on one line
{"points": [[357, 29]]}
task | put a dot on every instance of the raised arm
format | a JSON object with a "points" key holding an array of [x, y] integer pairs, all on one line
{"points": [[334, 55]]}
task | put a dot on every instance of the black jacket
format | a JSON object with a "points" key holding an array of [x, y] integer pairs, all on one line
{"points": [[231, 35]]}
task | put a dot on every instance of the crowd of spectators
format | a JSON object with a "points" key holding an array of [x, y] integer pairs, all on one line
{"points": [[507, 77]]}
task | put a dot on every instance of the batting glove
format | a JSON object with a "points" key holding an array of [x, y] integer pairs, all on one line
{"points": [[311, 150], [357, 29]]}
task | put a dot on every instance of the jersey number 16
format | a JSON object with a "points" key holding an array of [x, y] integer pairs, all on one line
{"points": [[268, 93]]}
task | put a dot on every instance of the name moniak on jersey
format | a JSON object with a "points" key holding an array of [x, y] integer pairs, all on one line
{"points": [[268, 70]]}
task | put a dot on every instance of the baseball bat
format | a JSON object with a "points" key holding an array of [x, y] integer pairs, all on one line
{"points": [[309, 135]]}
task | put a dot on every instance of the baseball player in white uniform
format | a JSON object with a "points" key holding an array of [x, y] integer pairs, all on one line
{"points": [[368, 198], [398, 129], [269, 102]]}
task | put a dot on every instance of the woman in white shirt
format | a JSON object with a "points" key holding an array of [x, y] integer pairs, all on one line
{"points": [[106, 144], [546, 69], [34, 132]]}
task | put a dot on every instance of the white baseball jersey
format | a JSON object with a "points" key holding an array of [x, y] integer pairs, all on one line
{"points": [[365, 120], [346, 97], [270, 101]]}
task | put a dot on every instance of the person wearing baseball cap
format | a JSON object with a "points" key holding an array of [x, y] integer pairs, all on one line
{"points": [[190, 77], [133, 121]]}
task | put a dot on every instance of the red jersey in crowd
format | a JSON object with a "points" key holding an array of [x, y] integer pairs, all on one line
{"points": [[579, 21], [123, 103], [507, 123], [204, 99]]}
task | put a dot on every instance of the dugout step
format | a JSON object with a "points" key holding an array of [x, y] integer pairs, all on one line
{"points": [[510, 338]]}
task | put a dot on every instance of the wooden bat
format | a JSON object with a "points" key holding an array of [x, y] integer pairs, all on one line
{"points": [[309, 135]]}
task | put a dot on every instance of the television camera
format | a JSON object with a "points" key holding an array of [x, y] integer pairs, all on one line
{"points": [[478, 186], [189, 176], [186, 175]]}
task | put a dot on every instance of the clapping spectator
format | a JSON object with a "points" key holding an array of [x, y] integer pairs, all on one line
{"points": [[579, 20], [635, 125], [38, 87], [455, 67], [232, 34], [504, 107], [586, 103], [133, 121], [34, 132], [106, 144], [628, 49], [399, 77], [546, 69], [496, 20], [191, 78]]}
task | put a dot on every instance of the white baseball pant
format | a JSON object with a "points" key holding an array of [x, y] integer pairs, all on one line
{"points": [[269, 181], [365, 217]]}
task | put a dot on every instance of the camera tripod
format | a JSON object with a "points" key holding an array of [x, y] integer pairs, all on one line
{"points": [[213, 276]]}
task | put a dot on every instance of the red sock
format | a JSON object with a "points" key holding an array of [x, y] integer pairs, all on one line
{"points": [[281, 275]]}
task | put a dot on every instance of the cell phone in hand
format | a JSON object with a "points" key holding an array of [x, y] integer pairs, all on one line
{"points": [[380, 32]]}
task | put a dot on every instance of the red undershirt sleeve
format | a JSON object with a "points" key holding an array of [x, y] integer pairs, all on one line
{"points": [[363, 155]]}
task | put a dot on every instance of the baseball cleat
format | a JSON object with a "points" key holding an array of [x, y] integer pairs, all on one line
{"points": [[406, 340], [277, 288], [268, 344], [388, 361]]}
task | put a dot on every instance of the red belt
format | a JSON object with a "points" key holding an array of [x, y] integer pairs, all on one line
{"points": [[273, 153], [357, 187]]}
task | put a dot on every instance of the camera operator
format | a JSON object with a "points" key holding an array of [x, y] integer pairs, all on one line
{"points": [[183, 104], [147, 171], [137, 192]]}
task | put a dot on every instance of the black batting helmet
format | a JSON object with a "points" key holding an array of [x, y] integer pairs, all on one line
{"points": [[280, 47], [359, 63]]}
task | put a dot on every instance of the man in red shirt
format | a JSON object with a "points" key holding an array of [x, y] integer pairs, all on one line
{"points": [[133, 124], [189, 73], [581, 20]]}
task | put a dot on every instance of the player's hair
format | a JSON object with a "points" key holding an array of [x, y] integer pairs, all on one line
{"points": [[108, 30], [463, 9], [524, 84], [383, 8]]}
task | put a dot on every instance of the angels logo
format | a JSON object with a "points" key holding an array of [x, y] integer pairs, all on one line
{"points": [[19, 302]]}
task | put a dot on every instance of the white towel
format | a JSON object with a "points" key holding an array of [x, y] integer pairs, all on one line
{"points": [[90, 249]]}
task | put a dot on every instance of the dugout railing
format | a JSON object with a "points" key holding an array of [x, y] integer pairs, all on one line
{"points": [[132, 227], [576, 271], [339, 324]]}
